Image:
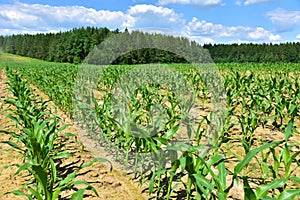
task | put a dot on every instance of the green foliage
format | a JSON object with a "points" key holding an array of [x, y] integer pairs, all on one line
{"points": [[39, 142], [258, 96], [55, 79], [268, 98], [75, 45], [241, 53]]}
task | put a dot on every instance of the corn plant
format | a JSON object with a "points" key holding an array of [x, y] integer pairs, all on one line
{"points": [[38, 142], [259, 96]]}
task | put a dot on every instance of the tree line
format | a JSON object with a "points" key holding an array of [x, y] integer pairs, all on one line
{"points": [[70, 46], [73, 46], [266, 52]]}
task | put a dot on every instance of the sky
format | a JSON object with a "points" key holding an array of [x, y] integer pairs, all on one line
{"points": [[205, 21]]}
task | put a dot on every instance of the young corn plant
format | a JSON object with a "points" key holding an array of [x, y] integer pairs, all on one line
{"points": [[256, 96], [38, 142], [277, 187]]}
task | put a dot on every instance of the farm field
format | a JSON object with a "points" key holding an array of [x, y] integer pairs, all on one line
{"points": [[237, 141], [113, 184]]}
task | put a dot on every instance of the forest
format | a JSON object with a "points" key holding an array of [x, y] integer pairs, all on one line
{"points": [[73, 46]]}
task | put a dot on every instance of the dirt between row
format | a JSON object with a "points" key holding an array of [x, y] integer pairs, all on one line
{"points": [[115, 184]]}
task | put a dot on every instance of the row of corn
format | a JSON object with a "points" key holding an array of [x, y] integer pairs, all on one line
{"points": [[38, 140]]}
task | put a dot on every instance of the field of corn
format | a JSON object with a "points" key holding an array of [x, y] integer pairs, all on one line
{"points": [[182, 155]]}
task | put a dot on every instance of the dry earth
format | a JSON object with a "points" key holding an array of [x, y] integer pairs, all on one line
{"points": [[115, 184]]}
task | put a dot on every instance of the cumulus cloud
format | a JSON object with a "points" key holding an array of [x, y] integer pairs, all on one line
{"points": [[284, 20], [249, 2], [261, 33], [42, 18], [238, 3], [32, 18], [207, 29], [201, 3], [153, 17], [7, 31], [202, 39], [298, 36]]}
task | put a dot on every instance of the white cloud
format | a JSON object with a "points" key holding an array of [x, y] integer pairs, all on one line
{"points": [[203, 40], [32, 18], [36, 17], [284, 20], [249, 2], [6, 31], [298, 36], [150, 16], [219, 31], [261, 33], [201, 3], [238, 3]]}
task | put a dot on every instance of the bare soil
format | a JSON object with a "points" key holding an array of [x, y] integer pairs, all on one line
{"points": [[115, 184]]}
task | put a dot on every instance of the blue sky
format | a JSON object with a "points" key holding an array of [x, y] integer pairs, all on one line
{"points": [[206, 21]]}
